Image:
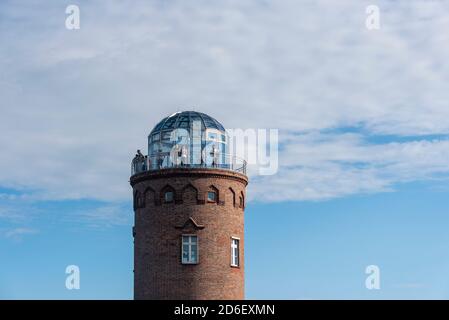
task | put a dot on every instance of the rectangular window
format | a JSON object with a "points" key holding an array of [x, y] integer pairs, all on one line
{"points": [[235, 255], [189, 249]]}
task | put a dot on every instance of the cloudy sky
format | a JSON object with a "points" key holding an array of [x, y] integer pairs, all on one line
{"points": [[362, 115]]}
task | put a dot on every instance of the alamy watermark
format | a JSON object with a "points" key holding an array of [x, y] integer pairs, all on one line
{"points": [[73, 279], [260, 148], [372, 21], [254, 151], [373, 279], [72, 21]]}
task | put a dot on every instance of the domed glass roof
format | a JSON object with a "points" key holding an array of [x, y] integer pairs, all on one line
{"points": [[195, 131], [187, 139], [184, 120]]}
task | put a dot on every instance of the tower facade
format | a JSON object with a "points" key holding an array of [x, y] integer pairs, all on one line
{"points": [[189, 200]]}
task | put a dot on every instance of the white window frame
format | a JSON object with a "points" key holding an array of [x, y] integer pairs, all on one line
{"points": [[190, 249], [233, 257]]}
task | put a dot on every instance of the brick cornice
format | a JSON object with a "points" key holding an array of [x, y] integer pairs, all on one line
{"points": [[189, 172]]}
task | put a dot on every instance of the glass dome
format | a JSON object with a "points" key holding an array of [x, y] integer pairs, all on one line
{"points": [[188, 137], [185, 119]]}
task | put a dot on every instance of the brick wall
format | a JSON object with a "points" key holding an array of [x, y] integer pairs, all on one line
{"points": [[159, 273]]}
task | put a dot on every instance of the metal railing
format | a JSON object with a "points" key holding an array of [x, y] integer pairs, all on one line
{"points": [[165, 160]]}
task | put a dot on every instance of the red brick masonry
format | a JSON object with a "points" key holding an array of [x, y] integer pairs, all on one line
{"points": [[158, 271]]}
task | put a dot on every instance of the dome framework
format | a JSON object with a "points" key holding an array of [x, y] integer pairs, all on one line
{"points": [[188, 139]]}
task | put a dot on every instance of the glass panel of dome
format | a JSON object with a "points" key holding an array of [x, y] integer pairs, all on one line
{"points": [[196, 119], [212, 136], [166, 136], [183, 124], [159, 125], [169, 123], [209, 123], [154, 147], [155, 137]]}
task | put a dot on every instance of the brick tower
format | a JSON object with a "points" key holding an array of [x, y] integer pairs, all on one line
{"points": [[189, 200]]}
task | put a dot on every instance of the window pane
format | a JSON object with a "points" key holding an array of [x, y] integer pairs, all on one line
{"points": [[212, 136], [185, 253], [235, 252], [155, 137], [169, 123], [211, 196], [189, 249], [184, 124], [169, 196], [166, 136], [194, 253]]}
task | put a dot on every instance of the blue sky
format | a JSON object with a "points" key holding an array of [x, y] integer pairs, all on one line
{"points": [[314, 250], [363, 119]]}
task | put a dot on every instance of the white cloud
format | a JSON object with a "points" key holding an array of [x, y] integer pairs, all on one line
{"points": [[318, 166], [76, 104], [17, 234], [105, 216]]}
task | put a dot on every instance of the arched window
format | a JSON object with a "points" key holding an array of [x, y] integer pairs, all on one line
{"points": [[241, 200], [231, 197], [148, 197], [190, 194], [138, 200], [168, 195], [212, 195]]}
